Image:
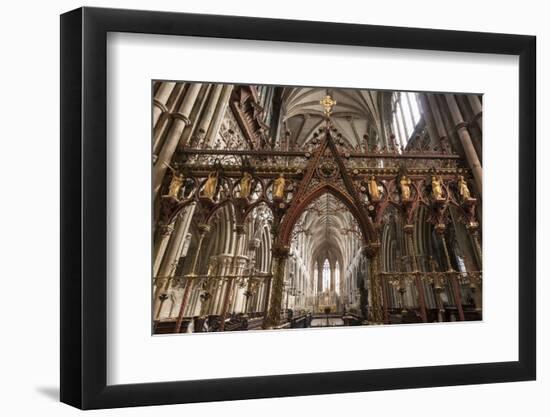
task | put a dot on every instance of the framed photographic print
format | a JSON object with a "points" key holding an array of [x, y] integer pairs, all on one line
{"points": [[257, 208]]}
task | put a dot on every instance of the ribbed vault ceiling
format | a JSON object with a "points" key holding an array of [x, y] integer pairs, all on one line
{"points": [[355, 114], [328, 223]]}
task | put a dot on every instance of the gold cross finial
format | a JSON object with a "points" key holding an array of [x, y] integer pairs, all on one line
{"points": [[328, 103]]}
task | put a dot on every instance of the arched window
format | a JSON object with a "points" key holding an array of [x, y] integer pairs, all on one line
{"points": [[405, 115], [326, 275]]}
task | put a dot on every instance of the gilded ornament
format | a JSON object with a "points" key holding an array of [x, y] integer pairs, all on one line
{"points": [[463, 189], [209, 189], [245, 182], [279, 187], [175, 185], [405, 186], [374, 191], [437, 189], [328, 103]]}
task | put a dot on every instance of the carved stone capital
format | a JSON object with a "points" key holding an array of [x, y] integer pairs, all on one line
{"points": [[280, 251], [254, 244], [461, 125], [182, 117], [440, 228], [408, 228], [160, 105], [472, 227], [371, 250], [204, 228]]}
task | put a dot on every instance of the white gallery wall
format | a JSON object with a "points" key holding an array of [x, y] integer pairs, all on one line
{"points": [[29, 215]]}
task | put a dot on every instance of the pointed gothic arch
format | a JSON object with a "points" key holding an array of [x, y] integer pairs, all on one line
{"points": [[339, 184], [293, 215]]}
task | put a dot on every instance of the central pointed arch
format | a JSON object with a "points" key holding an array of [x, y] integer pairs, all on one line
{"points": [[294, 214], [344, 191]]}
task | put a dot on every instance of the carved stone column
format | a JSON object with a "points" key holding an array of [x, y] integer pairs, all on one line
{"points": [[430, 122], [174, 248], [168, 265], [160, 99], [408, 229], [165, 232], [215, 284], [266, 299], [203, 231], [224, 263], [192, 135], [475, 103], [238, 299], [466, 141], [385, 301], [219, 113], [473, 229], [159, 133], [280, 256], [230, 284], [227, 293], [440, 229], [438, 121], [165, 121], [372, 252], [181, 120], [438, 289], [320, 288], [253, 290], [206, 119]]}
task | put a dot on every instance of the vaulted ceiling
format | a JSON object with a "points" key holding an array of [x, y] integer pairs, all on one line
{"points": [[356, 114], [328, 224]]}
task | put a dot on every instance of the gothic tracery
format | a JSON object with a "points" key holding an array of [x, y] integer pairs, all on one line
{"points": [[278, 207]]}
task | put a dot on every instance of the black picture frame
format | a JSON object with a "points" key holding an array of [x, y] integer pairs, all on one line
{"points": [[84, 207]]}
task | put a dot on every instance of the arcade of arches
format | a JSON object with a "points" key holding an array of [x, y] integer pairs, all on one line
{"points": [[284, 207]]}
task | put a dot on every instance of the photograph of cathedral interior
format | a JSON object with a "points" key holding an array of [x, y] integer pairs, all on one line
{"points": [[279, 207]]}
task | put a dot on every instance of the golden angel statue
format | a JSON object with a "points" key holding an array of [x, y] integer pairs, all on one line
{"points": [[463, 189], [245, 182], [405, 186], [279, 187], [175, 184], [210, 185], [374, 191], [437, 188]]}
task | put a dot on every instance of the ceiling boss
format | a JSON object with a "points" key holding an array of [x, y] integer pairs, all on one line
{"points": [[328, 103]]}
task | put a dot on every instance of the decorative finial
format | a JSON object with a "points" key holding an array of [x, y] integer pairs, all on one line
{"points": [[328, 103]]}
